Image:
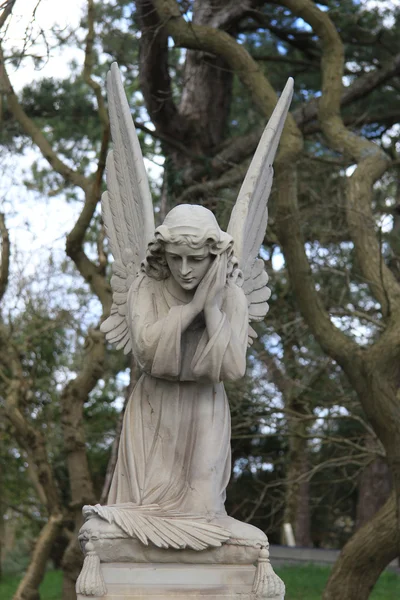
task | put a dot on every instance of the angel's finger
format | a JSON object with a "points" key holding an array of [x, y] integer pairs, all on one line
{"points": [[208, 279], [212, 271], [222, 269]]}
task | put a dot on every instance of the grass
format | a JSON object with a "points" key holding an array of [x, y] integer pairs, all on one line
{"points": [[307, 583], [50, 588], [302, 583]]}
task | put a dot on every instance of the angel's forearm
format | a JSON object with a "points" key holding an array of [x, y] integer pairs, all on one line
{"points": [[188, 313], [213, 316]]}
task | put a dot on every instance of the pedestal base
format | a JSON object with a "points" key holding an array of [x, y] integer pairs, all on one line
{"points": [[156, 581]]}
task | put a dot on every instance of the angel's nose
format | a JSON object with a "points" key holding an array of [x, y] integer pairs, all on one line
{"points": [[185, 268]]}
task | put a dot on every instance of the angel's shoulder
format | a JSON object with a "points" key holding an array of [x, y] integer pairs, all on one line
{"points": [[143, 284]]}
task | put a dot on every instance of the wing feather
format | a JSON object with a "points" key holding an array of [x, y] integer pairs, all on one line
{"points": [[162, 528], [127, 209], [112, 323], [129, 167], [249, 217]]}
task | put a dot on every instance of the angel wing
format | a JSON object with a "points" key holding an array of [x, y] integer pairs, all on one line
{"points": [[249, 216], [127, 209], [163, 528]]}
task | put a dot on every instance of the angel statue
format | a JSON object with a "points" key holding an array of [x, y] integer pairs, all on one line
{"points": [[183, 296]]}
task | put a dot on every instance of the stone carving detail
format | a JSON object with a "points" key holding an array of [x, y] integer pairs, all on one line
{"points": [[163, 529], [184, 295]]}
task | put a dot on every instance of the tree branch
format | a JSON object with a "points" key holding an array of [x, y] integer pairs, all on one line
{"points": [[30, 439], [372, 161], [158, 135], [88, 67], [5, 256], [28, 588], [35, 134], [73, 397], [334, 342], [92, 274], [204, 189], [360, 88], [201, 37], [7, 7], [155, 81], [360, 563]]}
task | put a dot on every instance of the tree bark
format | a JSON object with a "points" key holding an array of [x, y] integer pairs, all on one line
{"points": [[297, 497], [374, 486], [364, 557], [28, 588]]}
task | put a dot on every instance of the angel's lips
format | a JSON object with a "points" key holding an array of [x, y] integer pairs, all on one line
{"points": [[185, 282]]}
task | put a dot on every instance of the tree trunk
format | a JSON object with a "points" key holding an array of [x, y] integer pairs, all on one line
{"points": [[206, 96], [28, 588], [2, 523], [297, 496], [71, 564], [374, 487], [364, 557]]}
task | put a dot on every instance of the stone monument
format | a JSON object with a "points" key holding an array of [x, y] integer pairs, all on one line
{"points": [[183, 296]]}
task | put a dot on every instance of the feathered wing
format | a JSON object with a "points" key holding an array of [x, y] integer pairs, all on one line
{"points": [[249, 217], [127, 209], [163, 528]]}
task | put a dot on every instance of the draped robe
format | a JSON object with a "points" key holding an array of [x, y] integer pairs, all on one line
{"points": [[174, 449]]}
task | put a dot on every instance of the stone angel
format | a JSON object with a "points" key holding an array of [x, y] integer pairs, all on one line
{"points": [[184, 295]]}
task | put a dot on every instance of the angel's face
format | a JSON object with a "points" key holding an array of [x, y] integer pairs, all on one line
{"points": [[187, 265]]}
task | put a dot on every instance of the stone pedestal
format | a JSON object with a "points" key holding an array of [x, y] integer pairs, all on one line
{"points": [[159, 581]]}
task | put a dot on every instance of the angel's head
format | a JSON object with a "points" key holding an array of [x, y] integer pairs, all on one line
{"points": [[185, 245]]}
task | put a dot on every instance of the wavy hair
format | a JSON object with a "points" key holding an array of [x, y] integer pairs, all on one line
{"points": [[155, 264]]}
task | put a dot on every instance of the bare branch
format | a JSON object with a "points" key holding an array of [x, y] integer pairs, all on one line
{"points": [[7, 7], [88, 67], [159, 135], [199, 190]]}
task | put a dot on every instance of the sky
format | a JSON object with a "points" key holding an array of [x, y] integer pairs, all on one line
{"points": [[36, 223], [29, 17]]}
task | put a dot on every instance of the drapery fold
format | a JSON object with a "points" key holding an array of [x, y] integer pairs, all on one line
{"points": [[175, 442]]}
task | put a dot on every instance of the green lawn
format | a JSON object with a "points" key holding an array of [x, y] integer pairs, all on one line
{"points": [[302, 583], [307, 583], [49, 590]]}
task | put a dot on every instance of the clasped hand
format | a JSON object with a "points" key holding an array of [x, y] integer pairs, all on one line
{"points": [[208, 294]]}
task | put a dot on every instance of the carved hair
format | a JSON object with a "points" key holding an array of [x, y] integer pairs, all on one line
{"points": [[194, 226], [155, 264]]}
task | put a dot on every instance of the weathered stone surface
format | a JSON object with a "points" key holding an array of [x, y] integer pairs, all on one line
{"points": [[183, 297]]}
